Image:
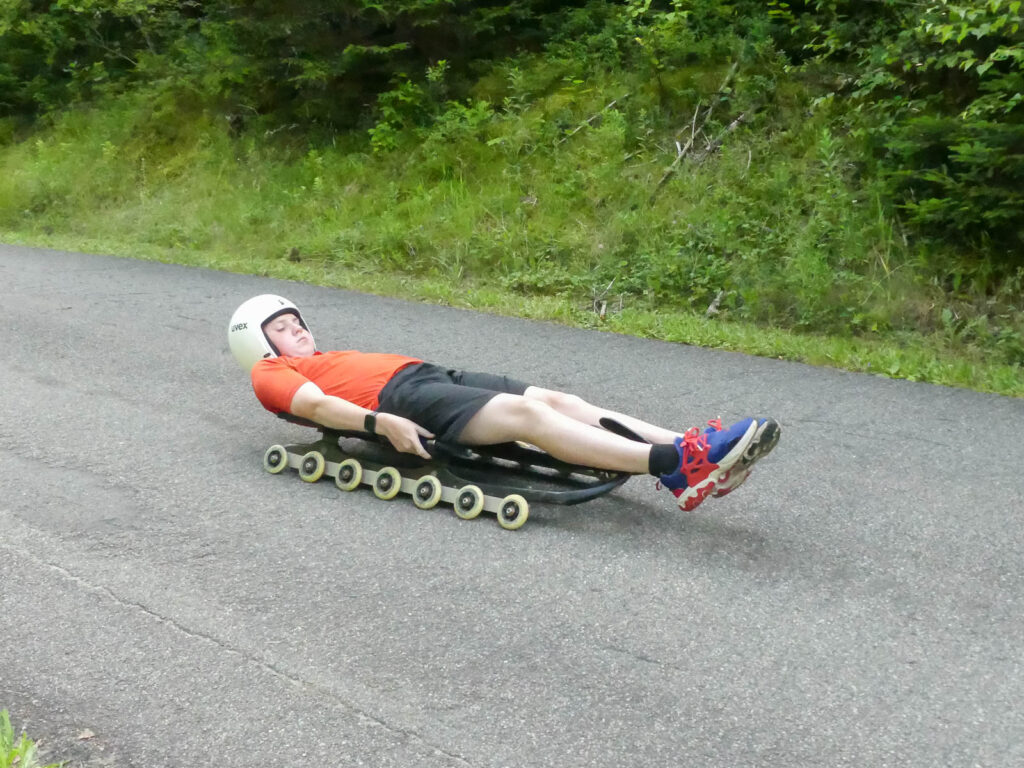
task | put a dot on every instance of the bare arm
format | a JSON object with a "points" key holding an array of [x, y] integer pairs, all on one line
{"points": [[311, 403]]}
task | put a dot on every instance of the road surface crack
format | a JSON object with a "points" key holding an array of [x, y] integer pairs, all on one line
{"points": [[268, 666]]}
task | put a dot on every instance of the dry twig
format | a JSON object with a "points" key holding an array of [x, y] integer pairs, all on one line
{"points": [[694, 130], [714, 146], [590, 120], [598, 302], [713, 306]]}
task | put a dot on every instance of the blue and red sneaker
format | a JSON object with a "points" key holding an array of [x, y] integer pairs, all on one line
{"points": [[765, 438], [706, 459]]}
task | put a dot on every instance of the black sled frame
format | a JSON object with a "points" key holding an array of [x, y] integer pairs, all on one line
{"points": [[503, 479]]}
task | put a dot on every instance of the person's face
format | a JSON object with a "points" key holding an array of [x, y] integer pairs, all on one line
{"points": [[287, 334]]}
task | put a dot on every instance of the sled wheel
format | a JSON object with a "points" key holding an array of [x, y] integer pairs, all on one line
{"points": [[312, 466], [470, 502], [387, 483], [427, 493], [275, 459], [513, 512], [350, 475]]}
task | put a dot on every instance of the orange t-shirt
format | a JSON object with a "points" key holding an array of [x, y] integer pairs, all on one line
{"points": [[354, 376]]}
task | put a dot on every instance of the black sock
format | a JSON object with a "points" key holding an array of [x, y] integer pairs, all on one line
{"points": [[663, 460]]}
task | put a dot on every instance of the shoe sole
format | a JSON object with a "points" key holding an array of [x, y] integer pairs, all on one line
{"points": [[765, 439], [691, 498]]}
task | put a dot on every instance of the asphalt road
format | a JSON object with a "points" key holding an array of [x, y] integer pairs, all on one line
{"points": [[857, 603]]}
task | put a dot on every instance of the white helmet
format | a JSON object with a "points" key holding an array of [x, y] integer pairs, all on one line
{"points": [[249, 344]]}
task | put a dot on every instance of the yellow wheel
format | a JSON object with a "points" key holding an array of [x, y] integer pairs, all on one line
{"points": [[513, 513], [275, 459], [312, 466], [427, 493], [387, 483], [469, 503], [350, 475]]}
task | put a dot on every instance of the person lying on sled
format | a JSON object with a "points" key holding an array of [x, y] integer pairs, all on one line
{"points": [[405, 399]]}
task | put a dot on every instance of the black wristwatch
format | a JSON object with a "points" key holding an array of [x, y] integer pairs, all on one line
{"points": [[370, 423]]}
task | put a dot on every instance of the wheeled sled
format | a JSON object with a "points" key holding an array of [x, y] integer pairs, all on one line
{"points": [[503, 479]]}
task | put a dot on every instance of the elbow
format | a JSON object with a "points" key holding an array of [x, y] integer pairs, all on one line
{"points": [[318, 412], [310, 411]]}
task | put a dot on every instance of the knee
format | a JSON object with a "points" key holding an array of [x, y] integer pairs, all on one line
{"points": [[527, 409], [560, 401]]}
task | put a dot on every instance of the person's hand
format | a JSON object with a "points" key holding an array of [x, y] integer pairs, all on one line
{"points": [[403, 434]]}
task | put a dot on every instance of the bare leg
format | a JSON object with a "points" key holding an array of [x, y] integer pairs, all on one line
{"points": [[511, 417], [579, 409]]}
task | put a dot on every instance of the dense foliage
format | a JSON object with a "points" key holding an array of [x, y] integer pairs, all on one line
{"points": [[320, 61], [937, 86], [939, 92]]}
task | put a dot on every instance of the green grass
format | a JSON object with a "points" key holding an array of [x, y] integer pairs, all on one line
{"points": [[504, 211], [17, 753], [910, 356]]}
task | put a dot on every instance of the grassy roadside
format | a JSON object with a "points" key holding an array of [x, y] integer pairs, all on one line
{"points": [[914, 357]]}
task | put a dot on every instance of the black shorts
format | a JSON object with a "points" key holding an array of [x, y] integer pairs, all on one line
{"points": [[443, 400]]}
